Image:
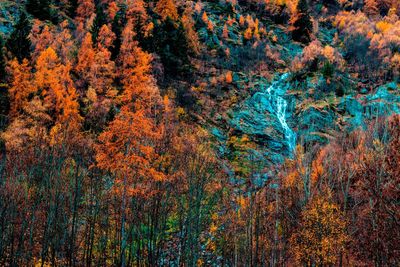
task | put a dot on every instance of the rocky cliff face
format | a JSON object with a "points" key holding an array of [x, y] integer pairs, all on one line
{"points": [[265, 115], [277, 116], [320, 119]]}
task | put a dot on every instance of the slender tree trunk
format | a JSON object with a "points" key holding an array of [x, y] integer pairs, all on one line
{"points": [[74, 213], [123, 235]]}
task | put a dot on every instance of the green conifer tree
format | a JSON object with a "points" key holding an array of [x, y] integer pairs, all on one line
{"points": [[71, 8], [170, 42], [4, 99], [98, 22], [117, 26], [39, 9], [18, 43], [2, 61], [302, 23]]}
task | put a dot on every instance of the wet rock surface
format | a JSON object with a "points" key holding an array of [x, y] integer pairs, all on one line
{"points": [[260, 117], [265, 115]]}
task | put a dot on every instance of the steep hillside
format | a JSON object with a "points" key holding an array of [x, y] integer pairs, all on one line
{"points": [[199, 133]]}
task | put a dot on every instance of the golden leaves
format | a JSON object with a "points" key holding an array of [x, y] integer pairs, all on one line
{"points": [[383, 26], [167, 8], [321, 235]]}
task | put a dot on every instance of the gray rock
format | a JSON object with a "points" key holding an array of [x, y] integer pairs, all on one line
{"points": [[263, 116]]}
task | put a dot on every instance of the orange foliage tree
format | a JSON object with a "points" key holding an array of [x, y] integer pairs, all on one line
{"points": [[95, 65], [167, 9], [135, 71], [127, 149], [86, 56], [137, 15], [21, 85], [189, 25], [53, 79], [128, 146]]}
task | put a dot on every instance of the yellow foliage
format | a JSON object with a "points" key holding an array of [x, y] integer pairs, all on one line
{"points": [[383, 26], [213, 228], [329, 53], [91, 94], [321, 236], [180, 111], [212, 246], [39, 263], [248, 34], [242, 201], [55, 136], [291, 179]]}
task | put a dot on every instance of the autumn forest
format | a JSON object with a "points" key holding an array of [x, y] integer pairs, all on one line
{"points": [[200, 133]]}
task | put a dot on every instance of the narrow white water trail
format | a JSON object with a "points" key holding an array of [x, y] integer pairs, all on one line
{"points": [[275, 93]]}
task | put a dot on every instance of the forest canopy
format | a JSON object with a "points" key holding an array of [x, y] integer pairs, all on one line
{"points": [[199, 133]]}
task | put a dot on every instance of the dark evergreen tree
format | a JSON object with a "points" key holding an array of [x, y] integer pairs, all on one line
{"points": [[330, 3], [117, 27], [18, 43], [4, 99], [169, 41], [2, 61], [384, 7], [71, 8], [302, 23], [98, 22], [39, 9]]}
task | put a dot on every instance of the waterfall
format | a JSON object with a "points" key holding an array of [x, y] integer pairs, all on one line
{"points": [[275, 94]]}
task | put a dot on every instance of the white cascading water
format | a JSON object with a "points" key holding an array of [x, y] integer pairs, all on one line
{"points": [[280, 104]]}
